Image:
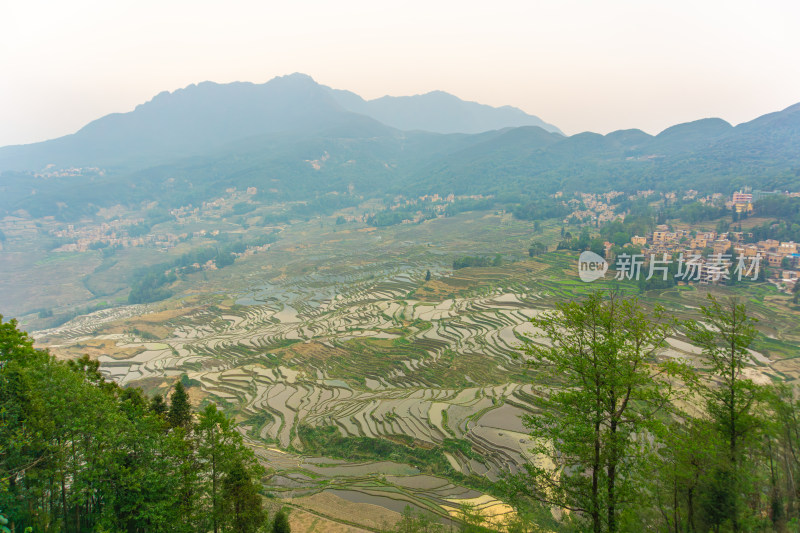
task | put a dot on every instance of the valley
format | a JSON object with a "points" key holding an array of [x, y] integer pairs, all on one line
{"points": [[356, 379]]}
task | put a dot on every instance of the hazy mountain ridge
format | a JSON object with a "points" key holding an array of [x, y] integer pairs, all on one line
{"points": [[300, 140], [208, 115], [708, 154], [438, 112], [186, 122]]}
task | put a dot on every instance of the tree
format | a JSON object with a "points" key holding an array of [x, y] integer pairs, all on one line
{"points": [[428, 275], [281, 522], [241, 502], [158, 405], [536, 248], [78, 453], [782, 442], [214, 439], [725, 335], [598, 395], [411, 522], [470, 519], [180, 412], [227, 470], [680, 474]]}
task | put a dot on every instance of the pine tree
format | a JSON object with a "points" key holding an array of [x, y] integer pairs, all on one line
{"points": [[214, 447], [180, 412], [179, 418], [241, 501]]}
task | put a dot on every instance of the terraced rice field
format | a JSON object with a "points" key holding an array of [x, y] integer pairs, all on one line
{"points": [[374, 351]]}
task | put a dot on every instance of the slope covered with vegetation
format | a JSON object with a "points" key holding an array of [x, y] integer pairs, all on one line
{"points": [[78, 453]]}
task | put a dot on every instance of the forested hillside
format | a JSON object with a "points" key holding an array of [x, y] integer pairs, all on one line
{"points": [[293, 141], [78, 453]]}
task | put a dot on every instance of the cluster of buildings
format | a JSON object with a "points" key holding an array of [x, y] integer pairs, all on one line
{"points": [[711, 199], [116, 232], [253, 250], [438, 205], [97, 233], [50, 171], [214, 208], [782, 257], [742, 201], [163, 241], [594, 208], [402, 202], [88, 239]]}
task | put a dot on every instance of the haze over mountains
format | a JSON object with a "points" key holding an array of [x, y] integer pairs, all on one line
{"points": [[438, 112], [298, 139], [191, 120]]}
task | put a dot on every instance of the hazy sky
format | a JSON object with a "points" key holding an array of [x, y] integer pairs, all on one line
{"points": [[596, 65]]}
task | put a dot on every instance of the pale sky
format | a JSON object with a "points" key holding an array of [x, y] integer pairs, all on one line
{"points": [[583, 65]]}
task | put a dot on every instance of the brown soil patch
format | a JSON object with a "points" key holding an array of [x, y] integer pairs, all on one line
{"points": [[434, 291], [365, 514], [315, 350], [304, 522], [153, 323], [196, 395], [94, 349], [163, 316], [158, 331], [152, 385]]}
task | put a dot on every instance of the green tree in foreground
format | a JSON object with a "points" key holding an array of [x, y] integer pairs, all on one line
{"points": [[599, 394], [241, 503], [411, 522], [782, 439], [731, 399], [78, 453], [158, 405], [180, 411], [470, 519], [281, 522], [229, 485]]}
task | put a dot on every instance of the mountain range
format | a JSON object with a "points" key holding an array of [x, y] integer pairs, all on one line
{"points": [[296, 139], [208, 115]]}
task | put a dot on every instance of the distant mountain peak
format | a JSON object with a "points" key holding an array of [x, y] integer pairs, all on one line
{"points": [[294, 77], [208, 117], [439, 112], [704, 125]]}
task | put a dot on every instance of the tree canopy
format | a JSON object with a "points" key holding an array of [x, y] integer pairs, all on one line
{"points": [[78, 453]]}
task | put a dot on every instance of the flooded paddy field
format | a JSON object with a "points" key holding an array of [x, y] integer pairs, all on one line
{"points": [[359, 341]]}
